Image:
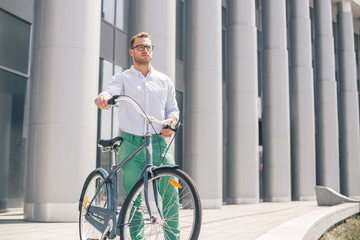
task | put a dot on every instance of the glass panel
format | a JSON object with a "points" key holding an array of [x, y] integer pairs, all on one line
{"points": [[14, 42], [224, 55], [12, 141], [104, 116], [224, 17], [224, 43], [118, 69], [179, 134], [108, 11], [122, 14], [259, 60], [115, 126], [179, 30]]}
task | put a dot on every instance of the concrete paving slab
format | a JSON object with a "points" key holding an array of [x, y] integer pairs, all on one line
{"points": [[245, 221]]}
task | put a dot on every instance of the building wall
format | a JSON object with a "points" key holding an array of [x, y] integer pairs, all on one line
{"points": [[272, 87]]}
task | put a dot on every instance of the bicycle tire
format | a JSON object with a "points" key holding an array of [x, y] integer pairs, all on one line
{"points": [[169, 181], [92, 182]]}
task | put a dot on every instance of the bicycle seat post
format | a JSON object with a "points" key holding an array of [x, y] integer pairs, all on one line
{"points": [[113, 159], [113, 169]]}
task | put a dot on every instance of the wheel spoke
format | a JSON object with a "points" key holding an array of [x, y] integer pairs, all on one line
{"points": [[179, 203], [86, 230]]}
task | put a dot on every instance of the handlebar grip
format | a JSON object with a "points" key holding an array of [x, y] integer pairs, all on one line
{"points": [[173, 128], [111, 101]]}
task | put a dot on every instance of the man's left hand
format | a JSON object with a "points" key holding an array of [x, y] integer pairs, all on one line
{"points": [[167, 132]]}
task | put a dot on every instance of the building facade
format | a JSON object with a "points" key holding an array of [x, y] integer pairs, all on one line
{"points": [[268, 93]]}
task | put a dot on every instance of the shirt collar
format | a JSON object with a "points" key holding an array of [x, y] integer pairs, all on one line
{"points": [[138, 73]]}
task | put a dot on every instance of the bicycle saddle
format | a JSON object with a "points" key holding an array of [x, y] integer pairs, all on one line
{"points": [[111, 144]]}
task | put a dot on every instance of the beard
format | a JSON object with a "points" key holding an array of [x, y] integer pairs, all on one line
{"points": [[141, 60]]}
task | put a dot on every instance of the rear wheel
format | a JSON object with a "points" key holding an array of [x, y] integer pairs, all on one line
{"points": [[179, 203], [91, 186]]}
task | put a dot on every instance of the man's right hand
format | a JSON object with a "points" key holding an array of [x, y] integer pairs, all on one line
{"points": [[102, 101]]}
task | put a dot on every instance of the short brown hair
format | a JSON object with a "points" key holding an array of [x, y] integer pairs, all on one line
{"points": [[139, 35]]}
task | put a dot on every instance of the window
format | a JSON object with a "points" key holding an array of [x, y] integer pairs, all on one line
{"points": [[180, 30], [122, 14], [104, 116], [108, 11], [108, 126], [106, 75], [116, 12], [179, 134], [14, 42], [224, 43], [115, 119], [14, 64], [12, 138], [108, 122]]}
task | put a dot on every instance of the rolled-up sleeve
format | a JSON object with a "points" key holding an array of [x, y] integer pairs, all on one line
{"points": [[114, 87], [171, 104]]}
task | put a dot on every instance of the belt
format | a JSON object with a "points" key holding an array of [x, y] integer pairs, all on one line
{"points": [[136, 138]]}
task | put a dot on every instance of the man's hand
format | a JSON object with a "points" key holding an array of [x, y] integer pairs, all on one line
{"points": [[168, 132], [102, 101]]}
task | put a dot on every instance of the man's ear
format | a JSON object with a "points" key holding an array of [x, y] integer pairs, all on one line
{"points": [[131, 52]]}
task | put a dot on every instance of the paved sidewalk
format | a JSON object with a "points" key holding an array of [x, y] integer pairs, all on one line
{"points": [[245, 221]]}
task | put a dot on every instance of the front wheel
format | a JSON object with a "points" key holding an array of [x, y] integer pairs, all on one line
{"points": [[180, 208], [92, 184]]}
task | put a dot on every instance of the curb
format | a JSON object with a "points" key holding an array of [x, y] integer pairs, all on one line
{"points": [[312, 225]]}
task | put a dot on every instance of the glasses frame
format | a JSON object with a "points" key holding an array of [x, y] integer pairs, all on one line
{"points": [[144, 46]]}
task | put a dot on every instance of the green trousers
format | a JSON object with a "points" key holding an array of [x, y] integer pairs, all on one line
{"points": [[131, 172]]}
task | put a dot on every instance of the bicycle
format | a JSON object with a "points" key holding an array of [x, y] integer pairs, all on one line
{"points": [[163, 204]]}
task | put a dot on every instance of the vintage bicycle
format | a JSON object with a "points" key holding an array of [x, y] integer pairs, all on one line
{"points": [[163, 204]]}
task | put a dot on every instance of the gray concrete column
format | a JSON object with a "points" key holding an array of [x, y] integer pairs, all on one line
{"points": [[348, 104], [63, 118], [203, 99], [243, 133], [326, 111], [303, 160], [276, 115], [146, 16]]}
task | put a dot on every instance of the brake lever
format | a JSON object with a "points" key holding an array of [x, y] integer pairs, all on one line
{"points": [[173, 128], [111, 101]]}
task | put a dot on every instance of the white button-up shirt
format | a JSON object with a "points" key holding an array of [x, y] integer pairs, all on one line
{"points": [[155, 93]]}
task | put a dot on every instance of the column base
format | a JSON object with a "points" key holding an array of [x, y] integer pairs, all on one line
{"points": [[277, 199], [51, 212], [242, 200], [305, 198], [211, 203]]}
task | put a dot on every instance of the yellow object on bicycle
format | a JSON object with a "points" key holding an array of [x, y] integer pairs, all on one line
{"points": [[86, 202], [175, 183]]}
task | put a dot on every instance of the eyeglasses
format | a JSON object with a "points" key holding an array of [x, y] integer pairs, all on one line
{"points": [[142, 47]]}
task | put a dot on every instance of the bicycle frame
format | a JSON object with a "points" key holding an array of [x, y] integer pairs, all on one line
{"points": [[105, 215]]}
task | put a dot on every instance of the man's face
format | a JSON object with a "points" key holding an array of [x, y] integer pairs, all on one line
{"points": [[141, 57]]}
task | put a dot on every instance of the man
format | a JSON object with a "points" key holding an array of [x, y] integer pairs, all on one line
{"points": [[155, 93]]}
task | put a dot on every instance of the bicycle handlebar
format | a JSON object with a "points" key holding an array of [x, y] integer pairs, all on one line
{"points": [[118, 98]]}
